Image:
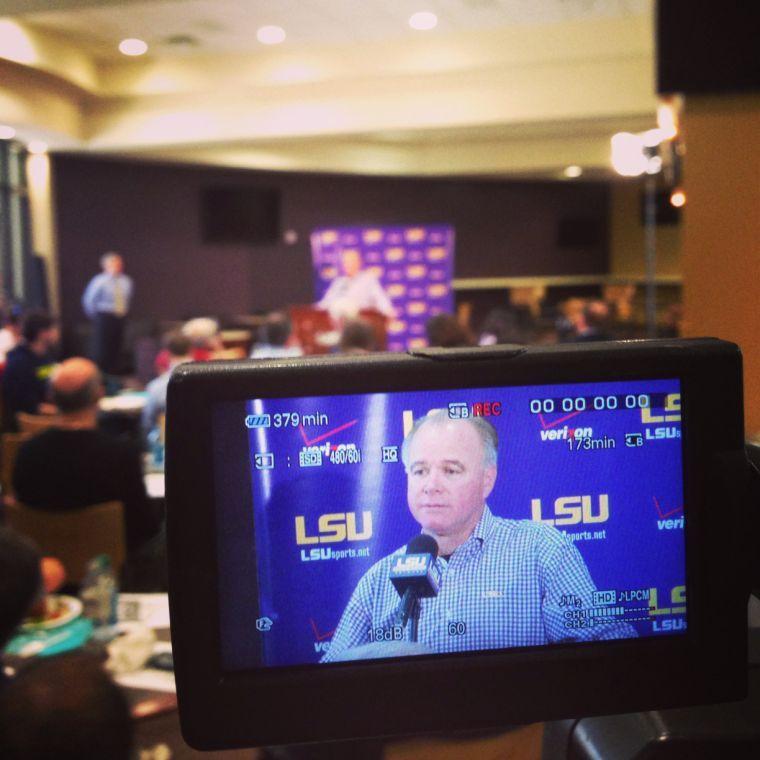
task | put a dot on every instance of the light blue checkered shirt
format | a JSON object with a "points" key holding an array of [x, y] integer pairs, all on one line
{"points": [[509, 584]]}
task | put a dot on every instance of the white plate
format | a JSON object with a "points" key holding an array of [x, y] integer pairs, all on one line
{"points": [[71, 608], [126, 403]]}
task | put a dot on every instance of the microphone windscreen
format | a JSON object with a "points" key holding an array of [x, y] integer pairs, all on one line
{"points": [[423, 544]]}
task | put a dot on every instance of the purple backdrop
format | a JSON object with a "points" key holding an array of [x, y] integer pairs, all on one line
{"points": [[414, 264]]}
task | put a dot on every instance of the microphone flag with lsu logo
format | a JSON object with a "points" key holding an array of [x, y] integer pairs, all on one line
{"points": [[415, 576]]}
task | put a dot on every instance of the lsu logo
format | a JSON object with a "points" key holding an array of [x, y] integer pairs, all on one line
{"points": [[671, 625], [437, 274], [372, 236], [411, 563], [417, 343], [416, 271], [437, 291], [436, 254], [334, 528], [394, 254], [329, 237], [373, 256], [395, 275], [396, 291], [415, 308], [572, 510], [376, 271], [677, 602], [672, 411], [414, 234], [397, 326], [417, 329]]}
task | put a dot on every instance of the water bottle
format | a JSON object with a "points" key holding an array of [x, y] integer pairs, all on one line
{"points": [[99, 593], [156, 447]]}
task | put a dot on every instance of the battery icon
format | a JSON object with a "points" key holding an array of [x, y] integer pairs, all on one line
{"points": [[258, 421]]}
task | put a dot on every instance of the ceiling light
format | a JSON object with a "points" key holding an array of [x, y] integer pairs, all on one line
{"points": [[678, 198], [423, 21], [37, 147], [573, 171], [7, 133], [133, 46], [270, 35]]}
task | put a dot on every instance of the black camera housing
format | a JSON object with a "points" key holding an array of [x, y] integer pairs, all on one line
{"points": [[482, 689]]}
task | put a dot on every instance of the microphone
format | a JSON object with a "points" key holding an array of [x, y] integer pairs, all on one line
{"points": [[415, 576]]}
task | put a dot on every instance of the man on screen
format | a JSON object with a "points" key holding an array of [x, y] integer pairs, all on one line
{"points": [[504, 583]]}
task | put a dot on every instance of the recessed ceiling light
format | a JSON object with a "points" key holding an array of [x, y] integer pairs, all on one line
{"points": [[7, 133], [133, 46], [573, 171], [678, 198], [270, 35], [423, 21], [37, 147]]}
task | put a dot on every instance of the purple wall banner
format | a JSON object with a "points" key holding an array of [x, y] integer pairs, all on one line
{"points": [[414, 265]]}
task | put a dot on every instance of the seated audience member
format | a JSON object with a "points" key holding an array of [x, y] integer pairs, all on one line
{"points": [[27, 369], [357, 337], [500, 327], [205, 342], [444, 331], [178, 347], [593, 323], [20, 583], [75, 465], [10, 335], [274, 334], [570, 317], [66, 708]]}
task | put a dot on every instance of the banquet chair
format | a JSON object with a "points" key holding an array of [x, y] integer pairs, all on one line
{"points": [[74, 536], [35, 423], [10, 443]]}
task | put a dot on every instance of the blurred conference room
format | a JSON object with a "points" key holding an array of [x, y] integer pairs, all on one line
{"points": [[190, 180]]}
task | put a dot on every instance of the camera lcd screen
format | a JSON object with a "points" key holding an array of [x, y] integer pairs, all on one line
{"points": [[556, 512]]}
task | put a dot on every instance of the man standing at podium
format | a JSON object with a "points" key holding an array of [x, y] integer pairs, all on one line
{"points": [[355, 290], [106, 302]]}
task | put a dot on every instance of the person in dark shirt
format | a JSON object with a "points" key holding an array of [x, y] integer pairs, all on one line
{"points": [[20, 582], [65, 707], [74, 465], [28, 368]]}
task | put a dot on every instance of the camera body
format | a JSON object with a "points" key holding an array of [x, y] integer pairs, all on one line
{"points": [[292, 500]]}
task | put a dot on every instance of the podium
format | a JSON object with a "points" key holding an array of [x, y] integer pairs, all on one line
{"points": [[317, 333]]}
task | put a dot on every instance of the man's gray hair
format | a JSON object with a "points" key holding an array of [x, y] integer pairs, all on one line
{"points": [[485, 430]]}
